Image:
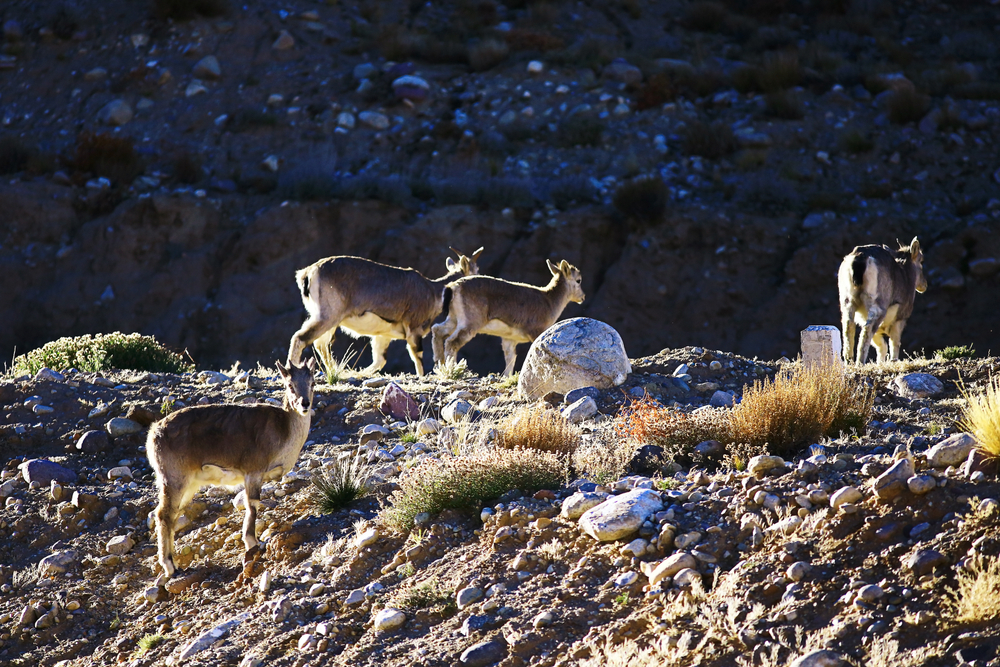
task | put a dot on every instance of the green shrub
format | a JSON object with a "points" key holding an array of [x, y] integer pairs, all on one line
{"points": [[466, 483], [956, 352], [102, 352], [340, 484]]}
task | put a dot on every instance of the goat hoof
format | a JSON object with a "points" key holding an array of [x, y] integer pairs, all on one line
{"points": [[251, 554]]}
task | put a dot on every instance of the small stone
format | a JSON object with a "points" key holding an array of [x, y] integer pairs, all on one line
{"points": [[870, 593], [484, 653], [848, 494], [364, 71], [536, 67], [398, 404], [93, 442], [428, 427], [316, 590], [213, 377], [207, 68], [824, 658], [119, 426], [374, 120], [918, 385], [115, 112], [44, 472], [578, 503], [581, 410], [798, 570], [49, 375], [455, 411], [367, 538], [636, 547], [687, 577], [119, 545], [762, 463], [96, 74], [620, 516], [687, 540], [622, 72], [388, 619], [951, 451], [58, 562], [468, 596], [924, 561], [120, 472], [668, 567], [626, 579], [284, 41], [893, 481], [411, 87], [357, 596], [921, 484], [543, 620]]}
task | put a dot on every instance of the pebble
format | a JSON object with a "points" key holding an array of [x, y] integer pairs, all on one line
{"points": [[484, 653], [467, 596], [49, 375], [44, 472], [93, 442], [578, 503], [120, 426], [848, 494], [668, 567], [536, 67], [823, 658], [455, 411], [207, 68], [893, 481], [798, 570], [96, 74], [763, 463], [119, 545], [870, 593], [921, 484], [207, 639], [374, 120], [357, 596], [58, 562], [636, 547], [115, 112], [626, 579], [918, 385], [581, 410], [687, 577], [388, 619], [924, 561], [951, 451], [284, 41], [543, 620], [367, 538], [120, 472], [687, 540]]}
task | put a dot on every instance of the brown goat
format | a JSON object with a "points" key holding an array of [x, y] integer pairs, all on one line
{"points": [[877, 288], [365, 298], [227, 445], [516, 312]]}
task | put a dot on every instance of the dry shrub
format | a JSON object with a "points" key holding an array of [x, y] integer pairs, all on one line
{"points": [[711, 141], [606, 460], [981, 417], [799, 407], [977, 597], [539, 428], [906, 105], [657, 91], [780, 70], [643, 199], [487, 54], [107, 155], [784, 105], [646, 422], [466, 483]]}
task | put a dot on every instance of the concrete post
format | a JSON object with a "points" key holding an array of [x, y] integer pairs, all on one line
{"points": [[821, 345]]}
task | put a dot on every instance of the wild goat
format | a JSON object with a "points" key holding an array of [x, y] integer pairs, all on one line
{"points": [[365, 298], [516, 312], [227, 445], [877, 292]]}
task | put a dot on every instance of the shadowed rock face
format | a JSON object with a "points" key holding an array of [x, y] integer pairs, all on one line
{"points": [[219, 282]]}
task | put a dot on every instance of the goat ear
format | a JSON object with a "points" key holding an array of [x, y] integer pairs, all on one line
{"points": [[553, 269], [914, 246], [450, 263], [475, 255], [282, 370], [311, 364], [464, 265], [564, 266]]}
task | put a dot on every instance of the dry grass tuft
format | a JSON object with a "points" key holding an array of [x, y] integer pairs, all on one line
{"points": [[539, 428], [781, 70], [981, 417], [466, 483], [977, 597], [643, 199], [906, 105], [646, 422], [800, 407]]}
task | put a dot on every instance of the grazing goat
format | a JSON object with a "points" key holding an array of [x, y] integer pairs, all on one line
{"points": [[227, 445], [877, 292], [516, 312], [365, 298]]}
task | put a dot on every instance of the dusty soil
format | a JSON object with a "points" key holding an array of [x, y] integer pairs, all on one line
{"points": [[98, 611]]}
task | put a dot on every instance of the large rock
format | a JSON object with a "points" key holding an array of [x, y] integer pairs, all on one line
{"points": [[951, 451], [579, 503], [484, 653], [620, 516], [44, 471], [571, 354], [398, 404], [388, 619], [918, 385], [59, 562]]}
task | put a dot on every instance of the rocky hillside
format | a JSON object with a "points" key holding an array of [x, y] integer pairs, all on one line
{"points": [[859, 549], [166, 171]]}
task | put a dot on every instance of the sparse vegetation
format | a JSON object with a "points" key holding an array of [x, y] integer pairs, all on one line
{"points": [[981, 417], [106, 155], [427, 595], [452, 370], [642, 199], [538, 428], [976, 598], [646, 422], [467, 482], [956, 352], [101, 352], [149, 642], [336, 487]]}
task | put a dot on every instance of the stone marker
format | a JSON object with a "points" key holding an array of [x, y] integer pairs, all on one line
{"points": [[821, 344]]}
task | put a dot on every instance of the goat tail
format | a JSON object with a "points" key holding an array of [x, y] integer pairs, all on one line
{"points": [[858, 267], [446, 301]]}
